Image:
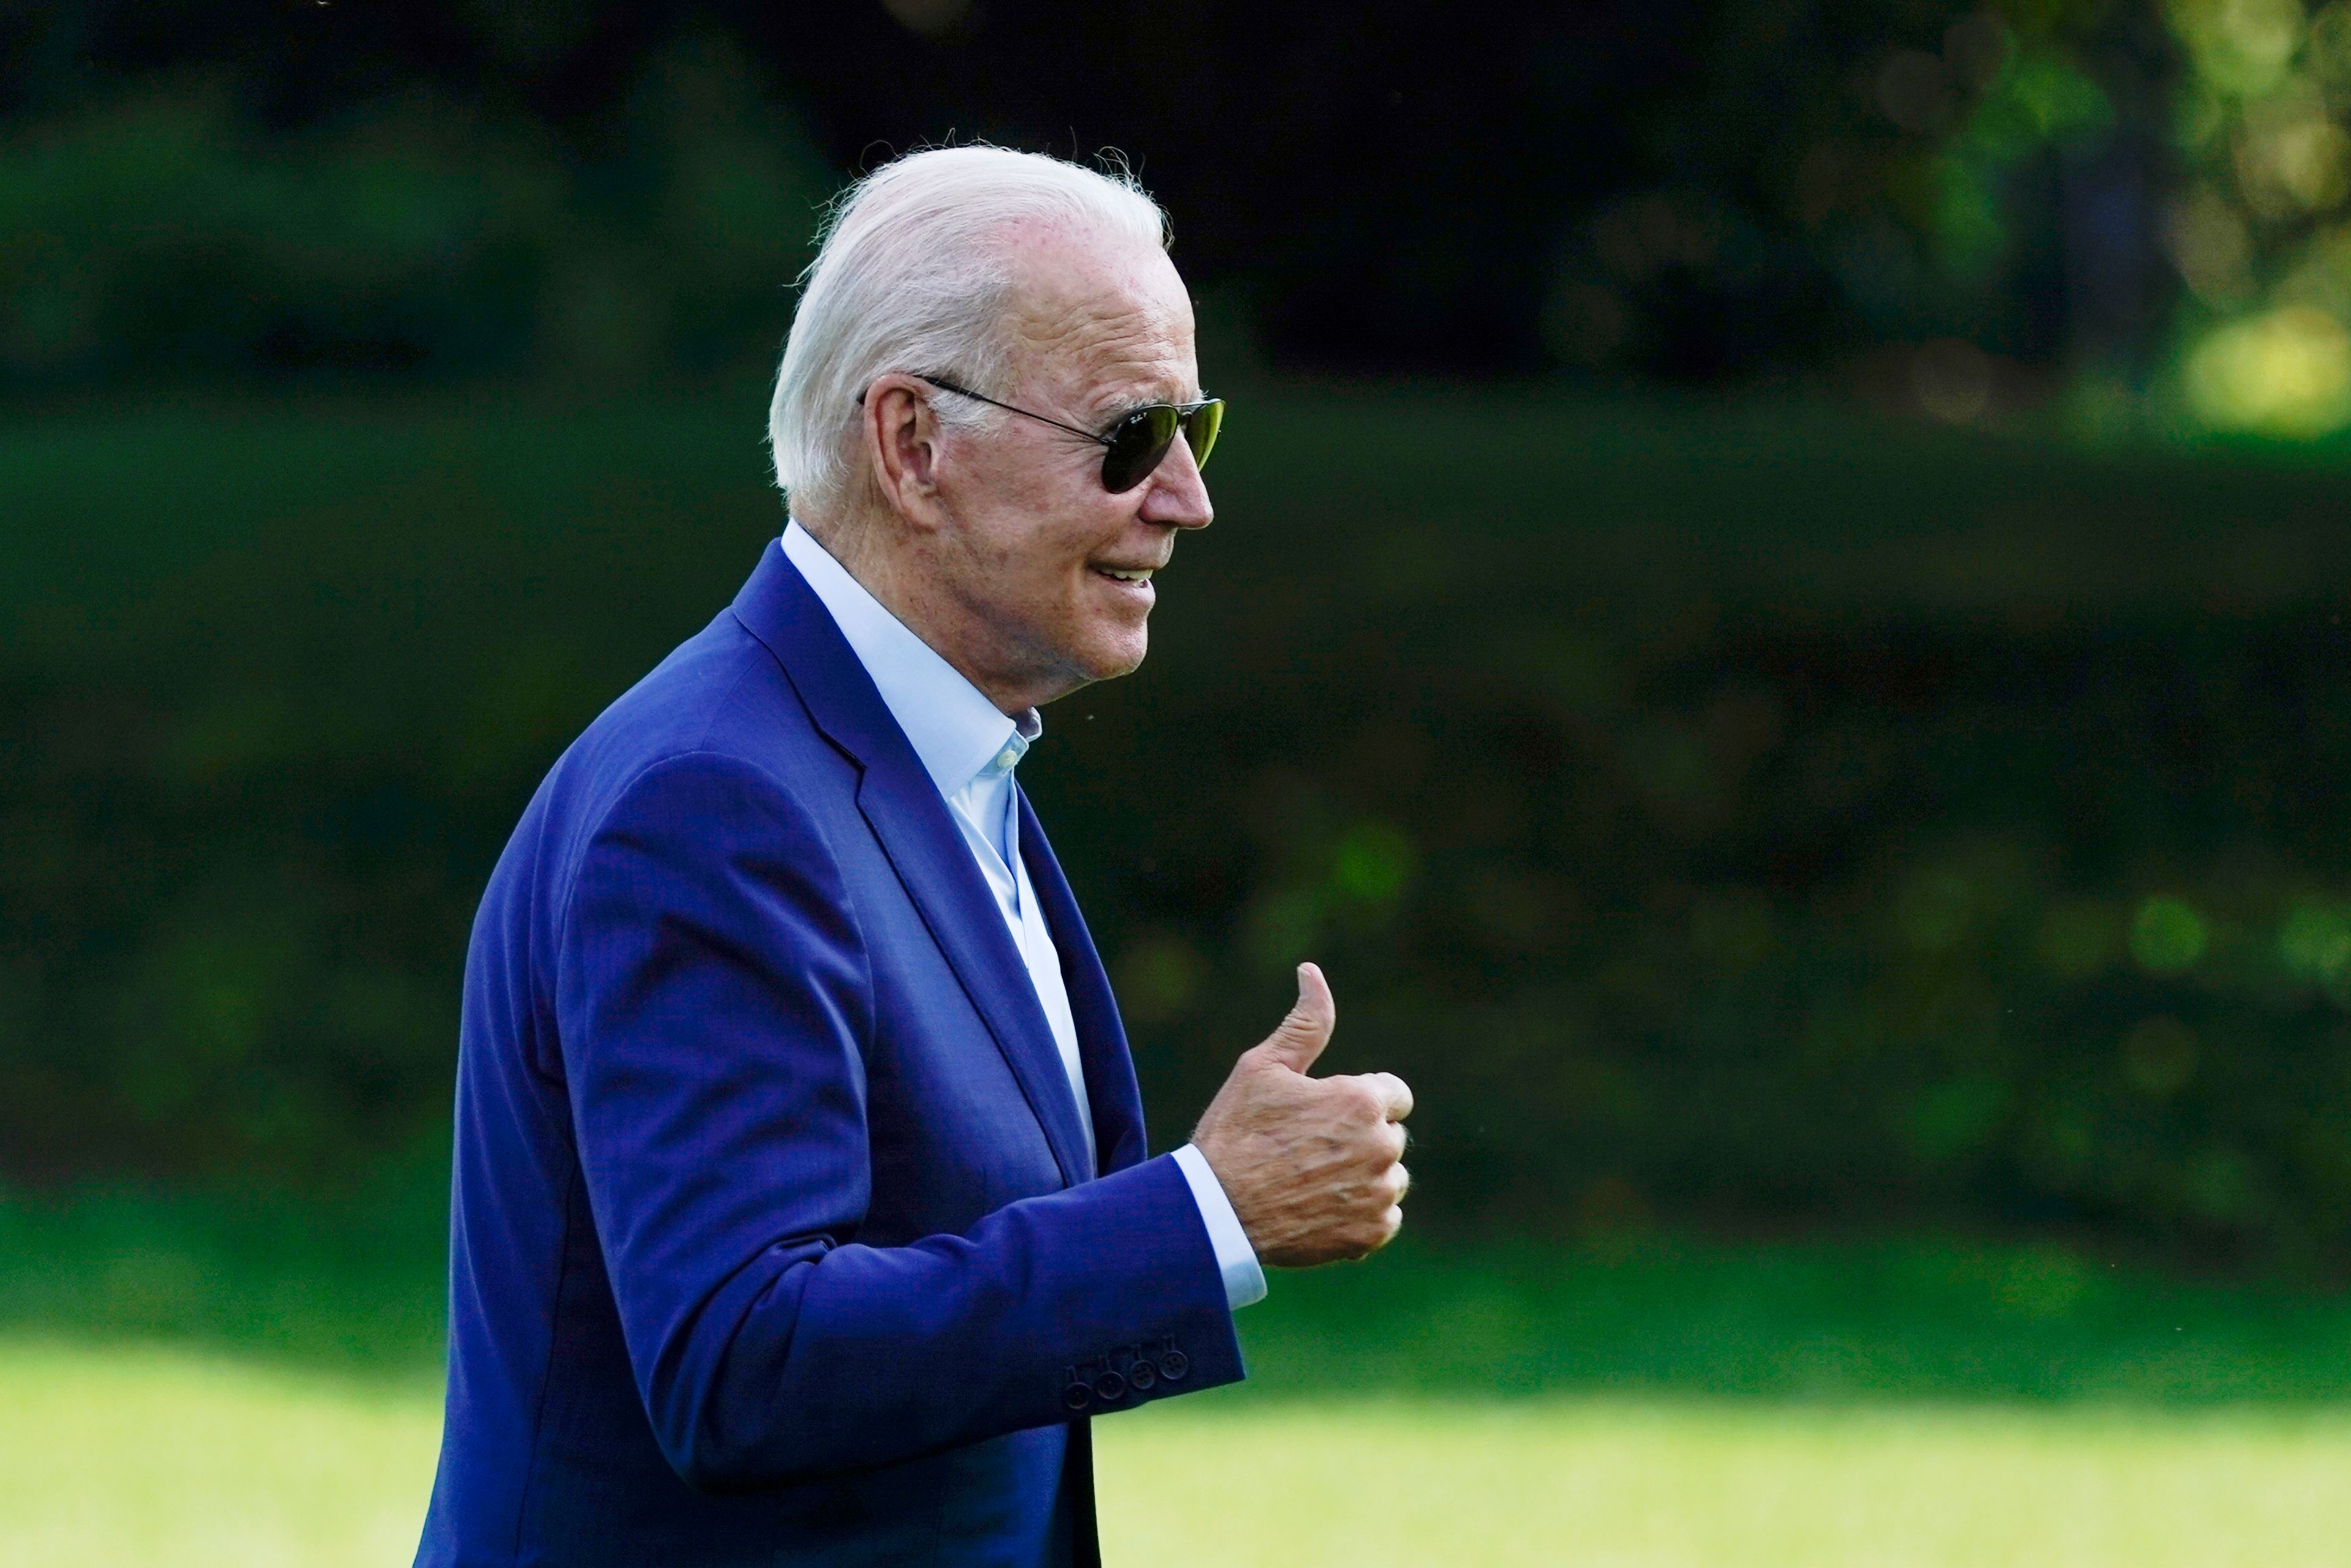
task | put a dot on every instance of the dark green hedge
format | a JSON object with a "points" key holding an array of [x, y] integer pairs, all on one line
{"points": [[172, 229], [1722, 816]]}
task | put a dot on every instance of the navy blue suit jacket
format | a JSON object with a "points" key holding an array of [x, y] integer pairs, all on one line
{"points": [[774, 1239]]}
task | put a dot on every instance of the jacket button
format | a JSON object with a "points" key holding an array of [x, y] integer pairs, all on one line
{"points": [[1110, 1388], [1174, 1365], [1142, 1375], [1077, 1395]]}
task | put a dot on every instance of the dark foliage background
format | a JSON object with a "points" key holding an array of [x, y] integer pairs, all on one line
{"points": [[1737, 816], [1694, 190], [1725, 802]]}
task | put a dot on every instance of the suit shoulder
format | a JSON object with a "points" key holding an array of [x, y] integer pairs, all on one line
{"points": [[718, 705], [720, 693], [715, 732]]}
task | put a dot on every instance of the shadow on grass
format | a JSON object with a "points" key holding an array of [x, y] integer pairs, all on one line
{"points": [[352, 1285], [355, 1285], [1899, 1317]]}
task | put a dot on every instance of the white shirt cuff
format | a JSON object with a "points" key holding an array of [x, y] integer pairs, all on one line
{"points": [[1244, 1281]]}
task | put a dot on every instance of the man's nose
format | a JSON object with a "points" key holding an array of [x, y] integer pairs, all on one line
{"points": [[1179, 496]]}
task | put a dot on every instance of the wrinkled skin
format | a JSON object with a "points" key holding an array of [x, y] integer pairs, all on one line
{"points": [[1313, 1165], [991, 541]]}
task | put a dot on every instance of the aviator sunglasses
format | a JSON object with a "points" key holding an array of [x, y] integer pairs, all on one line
{"points": [[1134, 446]]}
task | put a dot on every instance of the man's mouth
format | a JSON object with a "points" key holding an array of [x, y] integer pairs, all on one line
{"points": [[1127, 574]]}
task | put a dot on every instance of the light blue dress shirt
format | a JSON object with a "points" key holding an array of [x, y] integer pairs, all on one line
{"points": [[970, 748]]}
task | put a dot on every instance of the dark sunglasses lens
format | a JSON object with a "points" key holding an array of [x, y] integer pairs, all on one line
{"points": [[1140, 442], [1135, 448], [1200, 430]]}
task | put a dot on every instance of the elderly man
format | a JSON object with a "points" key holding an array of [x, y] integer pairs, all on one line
{"points": [[802, 1211]]}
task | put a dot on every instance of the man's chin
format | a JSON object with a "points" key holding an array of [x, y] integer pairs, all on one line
{"points": [[1107, 657]]}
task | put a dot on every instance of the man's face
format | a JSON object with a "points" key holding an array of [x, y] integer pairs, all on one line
{"points": [[1037, 550]]}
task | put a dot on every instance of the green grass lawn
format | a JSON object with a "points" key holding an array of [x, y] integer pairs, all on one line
{"points": [[188, 1381], [355, 1288], [139, 1457], [136, 1456], [1667, 1484]]}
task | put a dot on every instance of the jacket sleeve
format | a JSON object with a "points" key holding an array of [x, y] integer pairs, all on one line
{"points": [[711, 993]]}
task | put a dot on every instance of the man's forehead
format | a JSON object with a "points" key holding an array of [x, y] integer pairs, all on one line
{"points": [[1098, 310]]}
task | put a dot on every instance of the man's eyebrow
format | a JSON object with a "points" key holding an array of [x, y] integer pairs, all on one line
{"points": [[1137, 393]]}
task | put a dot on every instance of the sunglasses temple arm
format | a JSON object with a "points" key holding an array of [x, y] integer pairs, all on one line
{"points": [[1042, 419]]}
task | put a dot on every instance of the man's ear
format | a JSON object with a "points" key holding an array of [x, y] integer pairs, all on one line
{"points": [[902, 448]]}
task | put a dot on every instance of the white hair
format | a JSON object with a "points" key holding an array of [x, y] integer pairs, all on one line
{"points": [[912, 276]]}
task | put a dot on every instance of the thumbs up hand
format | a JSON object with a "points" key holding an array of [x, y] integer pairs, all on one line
{"points": [[1310, 1165]]}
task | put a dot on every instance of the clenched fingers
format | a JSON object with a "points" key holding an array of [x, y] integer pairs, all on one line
{"points": [[1395, 1095], [1374, 1096]]}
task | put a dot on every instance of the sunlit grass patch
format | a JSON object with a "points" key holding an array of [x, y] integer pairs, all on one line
{"points": [[1663, 1485], [115, 1457], [126, 1456]]}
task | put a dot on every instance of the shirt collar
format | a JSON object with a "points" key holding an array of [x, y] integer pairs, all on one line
{"points": [[957, 732]]}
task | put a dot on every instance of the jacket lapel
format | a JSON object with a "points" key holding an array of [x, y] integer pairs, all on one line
{"points": [[1111, 1092], [903, 808]]}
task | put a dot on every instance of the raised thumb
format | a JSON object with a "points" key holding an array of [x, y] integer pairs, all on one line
{"points": [[1306, 1029]]}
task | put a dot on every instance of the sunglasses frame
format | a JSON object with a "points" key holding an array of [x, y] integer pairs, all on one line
{"points": [[1184, 412]]}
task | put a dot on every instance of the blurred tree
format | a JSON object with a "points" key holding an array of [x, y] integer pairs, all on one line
{"points": [[1686, 189], [168, 226], [2259, 229]]}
